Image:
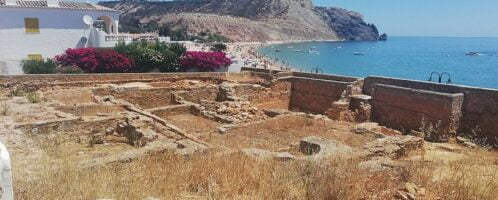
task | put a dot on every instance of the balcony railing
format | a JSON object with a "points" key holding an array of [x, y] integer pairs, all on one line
{"points": [[116, 38]]}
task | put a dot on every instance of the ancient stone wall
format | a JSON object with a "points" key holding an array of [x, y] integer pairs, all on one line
{"points": [[315, 95], [196, 95], [276, 95], [145, 98], [410, 109], [479, 109], [114, 78]]}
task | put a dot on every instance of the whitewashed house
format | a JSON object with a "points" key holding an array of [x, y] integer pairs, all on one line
{"points": [[32, 29]]}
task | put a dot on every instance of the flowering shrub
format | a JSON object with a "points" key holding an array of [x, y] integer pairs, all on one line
{"points": [[91, 60], [205, 61]]}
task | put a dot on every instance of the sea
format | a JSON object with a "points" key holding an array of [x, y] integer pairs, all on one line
{"points": [[400, 57]]}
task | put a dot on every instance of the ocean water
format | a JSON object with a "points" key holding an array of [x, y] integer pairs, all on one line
{"points": [[401, 57]]}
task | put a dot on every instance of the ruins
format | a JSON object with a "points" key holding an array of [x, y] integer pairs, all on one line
{"points": [[104, 119]]}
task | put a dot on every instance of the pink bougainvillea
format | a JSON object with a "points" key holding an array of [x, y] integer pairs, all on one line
{"points": [[91, 60], [205, 61]]}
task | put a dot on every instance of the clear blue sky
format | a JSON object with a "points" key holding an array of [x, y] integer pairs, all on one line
{"points": [[475, 18]]}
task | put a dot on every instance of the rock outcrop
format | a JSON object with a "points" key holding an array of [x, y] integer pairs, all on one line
{"points": [[248, 20]]}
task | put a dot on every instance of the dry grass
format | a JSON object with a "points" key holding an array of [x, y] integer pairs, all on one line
{"points": [[474, 176], [235, 176], [207, 177], [33, 97], [4, 109]]}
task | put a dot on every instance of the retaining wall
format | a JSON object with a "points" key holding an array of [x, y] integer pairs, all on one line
{"points": [[406, 109], [479, 107], [315, 95]]}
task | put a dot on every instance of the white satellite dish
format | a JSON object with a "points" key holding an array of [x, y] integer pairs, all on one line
{"points": [[88, 20]]}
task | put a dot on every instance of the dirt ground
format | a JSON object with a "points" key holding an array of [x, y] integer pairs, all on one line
{"points": [[189, 139]]}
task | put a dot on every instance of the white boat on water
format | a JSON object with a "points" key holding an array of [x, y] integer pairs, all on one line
{"points": [[297, 50], [313, 50]]}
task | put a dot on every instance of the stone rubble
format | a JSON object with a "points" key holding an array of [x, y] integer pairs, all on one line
{"points": [[392, 147], [319, 148], [265, 154]]}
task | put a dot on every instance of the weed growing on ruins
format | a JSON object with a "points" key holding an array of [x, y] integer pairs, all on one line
{"points": [[4, 109], [33, 97], [16, 92], [432, 132]]}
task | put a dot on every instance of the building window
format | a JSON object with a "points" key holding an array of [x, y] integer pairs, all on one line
{"points": [[32, 25], [35, 57]]}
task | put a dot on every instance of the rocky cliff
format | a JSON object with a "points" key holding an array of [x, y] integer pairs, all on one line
{"points": [[248, 20]]}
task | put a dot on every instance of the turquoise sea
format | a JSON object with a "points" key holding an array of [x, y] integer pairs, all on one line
{"points": [[401, 57]]}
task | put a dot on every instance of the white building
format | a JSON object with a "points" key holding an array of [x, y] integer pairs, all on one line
{"points": [[32, 29]]}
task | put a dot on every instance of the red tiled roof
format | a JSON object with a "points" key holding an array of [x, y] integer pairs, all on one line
{"points": [[62, 4]]}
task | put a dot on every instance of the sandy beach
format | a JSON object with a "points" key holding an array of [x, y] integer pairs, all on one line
{"points": [[246, 54]]}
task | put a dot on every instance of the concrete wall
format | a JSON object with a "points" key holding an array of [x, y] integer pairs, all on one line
{"points": [[479, 109], [405, 108], [59, 29], [315, 95]]}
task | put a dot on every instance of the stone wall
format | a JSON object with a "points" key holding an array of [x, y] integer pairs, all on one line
{"points": [[479, 109], [128, 77], [259, 70], [144, 98], [276, 95], [410, 109], [315, 95], [196, 95], [325, 77]]}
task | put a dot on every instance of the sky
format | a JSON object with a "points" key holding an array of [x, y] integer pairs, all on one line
{"points": [[456, 18]]}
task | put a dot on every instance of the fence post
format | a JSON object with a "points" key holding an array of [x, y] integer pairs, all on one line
{"points": [[7, 190]]}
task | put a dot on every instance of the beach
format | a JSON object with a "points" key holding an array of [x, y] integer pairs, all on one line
{"points": [[247, 54]]}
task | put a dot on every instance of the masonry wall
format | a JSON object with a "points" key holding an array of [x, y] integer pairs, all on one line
{"points": [[406, 109], [274, 96], [325, 77], [315, 95], [479, 108], [5, 80]]}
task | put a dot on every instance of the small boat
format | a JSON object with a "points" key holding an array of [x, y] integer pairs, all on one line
{"points": [[339, 47], [359, 53], [297, 50], [473, 53], [290, 47], [278, 50], [313, 50]]}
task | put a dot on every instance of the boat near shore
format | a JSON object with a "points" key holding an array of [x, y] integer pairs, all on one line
{"points": [[313, 50]]}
